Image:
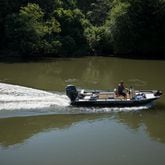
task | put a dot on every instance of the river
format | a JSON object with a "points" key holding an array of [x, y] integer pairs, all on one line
{"points": [[37, 125]]}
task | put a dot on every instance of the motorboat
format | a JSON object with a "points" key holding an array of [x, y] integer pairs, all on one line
{"points": [[110, 98]]}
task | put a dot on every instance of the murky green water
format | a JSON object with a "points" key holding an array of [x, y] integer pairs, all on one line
{"points": [[100, 72], [40, 128]]}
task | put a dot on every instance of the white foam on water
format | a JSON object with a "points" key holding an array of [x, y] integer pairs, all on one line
{"points": [[19, 97], [114, 109]]}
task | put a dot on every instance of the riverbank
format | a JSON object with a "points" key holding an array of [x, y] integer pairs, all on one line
{"points": [[10, 56]]}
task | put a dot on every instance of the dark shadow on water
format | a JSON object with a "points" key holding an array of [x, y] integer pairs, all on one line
{"points": [[12, 60], [131, 57], [35, 59], [32, 59]]}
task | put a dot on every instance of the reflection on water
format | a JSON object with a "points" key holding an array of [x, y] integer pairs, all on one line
{"points": [[153, 122], [17, 130]]}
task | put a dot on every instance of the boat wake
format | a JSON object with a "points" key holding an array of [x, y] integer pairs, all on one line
{"points": [[18, 97], [113, 109]]}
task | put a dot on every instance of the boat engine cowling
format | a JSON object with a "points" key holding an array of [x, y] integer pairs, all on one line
{"points": [[71, 92]]}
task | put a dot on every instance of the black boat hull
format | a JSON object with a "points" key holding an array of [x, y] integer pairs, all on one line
{"points": [[120, 103]]}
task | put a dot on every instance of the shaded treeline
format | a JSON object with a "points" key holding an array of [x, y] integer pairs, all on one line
{"points": [[82, 27]]}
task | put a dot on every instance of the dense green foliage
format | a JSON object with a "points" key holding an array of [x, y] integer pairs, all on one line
{"points": [[137, 26], [81, 27]]}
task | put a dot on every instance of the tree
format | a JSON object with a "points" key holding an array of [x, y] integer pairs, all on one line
{"points": [[118, 24], [85, 6], [98, 11], [72, 30], [70, 27], [99, 40], [137, 26], [7, 7], [29, 33], [148, 23]]}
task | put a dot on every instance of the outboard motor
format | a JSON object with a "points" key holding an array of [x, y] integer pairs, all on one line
{"points": [[71, 92]]}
